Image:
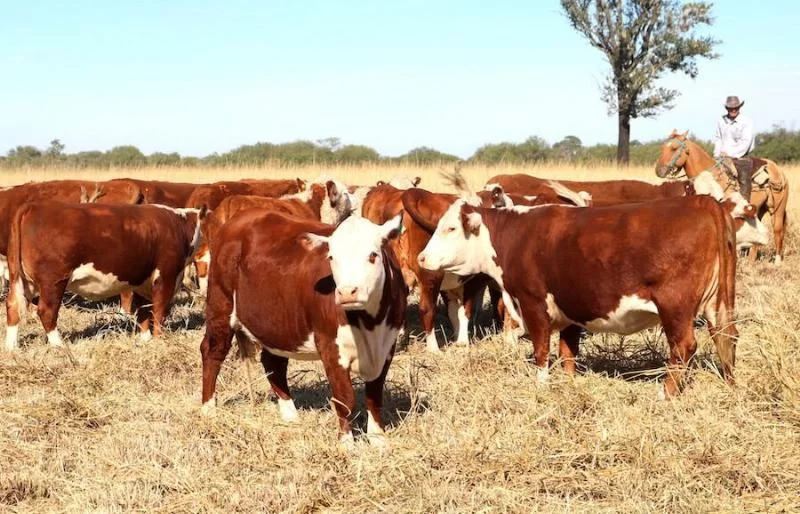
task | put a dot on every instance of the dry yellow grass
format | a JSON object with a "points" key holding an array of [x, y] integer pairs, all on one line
{"points": [[106, 425]]}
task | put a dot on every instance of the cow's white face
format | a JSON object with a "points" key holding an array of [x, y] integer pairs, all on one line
{"points": [[356, 259], [460, 244]]}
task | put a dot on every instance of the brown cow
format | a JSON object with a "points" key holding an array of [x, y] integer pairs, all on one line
{"points": [[211, 195], [327, 202], [70, 191], [172, 194], [143, 248], [603, 193], [303, 290], [607, 269]]}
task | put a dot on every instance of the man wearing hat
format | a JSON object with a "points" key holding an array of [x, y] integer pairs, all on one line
{"points": [[734, 138]]}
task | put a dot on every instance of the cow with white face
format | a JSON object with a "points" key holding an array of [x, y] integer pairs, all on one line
{"points": [[541, 257], [335, 294]]}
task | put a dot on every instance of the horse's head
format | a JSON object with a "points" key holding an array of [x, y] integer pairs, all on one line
{"points": [[674, 154]]}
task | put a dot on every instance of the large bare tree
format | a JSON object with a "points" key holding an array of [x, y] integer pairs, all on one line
{"points": [[642, 40]]}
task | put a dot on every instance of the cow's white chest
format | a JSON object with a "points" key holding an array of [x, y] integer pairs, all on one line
{"points": [[90, 283], [365, 351], [306, 351], [632, 315]]}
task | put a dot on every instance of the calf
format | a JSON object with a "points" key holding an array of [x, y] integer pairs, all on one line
{"points": [[303, 290], [71, 191], [603, 193], [139, 248], [637, 277], [327, 202], [211, 195]]}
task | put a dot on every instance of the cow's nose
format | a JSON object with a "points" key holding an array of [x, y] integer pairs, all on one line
{"points": [[348, 294], [421, 259]]}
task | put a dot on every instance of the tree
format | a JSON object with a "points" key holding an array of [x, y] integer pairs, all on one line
{"points": [[568, 149], [127, 155], [642, 40], [56, 150]]}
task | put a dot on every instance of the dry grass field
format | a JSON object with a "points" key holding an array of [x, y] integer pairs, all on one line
{"points": [[110, 425]]}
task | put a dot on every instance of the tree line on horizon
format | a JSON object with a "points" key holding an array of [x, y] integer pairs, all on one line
{"points": [[779, 144]]}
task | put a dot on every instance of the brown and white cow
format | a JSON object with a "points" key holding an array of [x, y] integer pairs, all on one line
{"points": [[327, 202], [613, 269], [71, 191], [211, 195], [139, 248], [557, 194], [306, 290], [603, 193]]}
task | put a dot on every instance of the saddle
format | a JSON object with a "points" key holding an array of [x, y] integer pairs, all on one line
{"points": [[760, 175]]}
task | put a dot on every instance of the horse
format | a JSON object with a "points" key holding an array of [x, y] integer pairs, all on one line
{"points": [[770, 194]]}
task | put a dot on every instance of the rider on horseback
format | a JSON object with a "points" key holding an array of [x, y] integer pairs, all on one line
{"points": [[735, 139]]}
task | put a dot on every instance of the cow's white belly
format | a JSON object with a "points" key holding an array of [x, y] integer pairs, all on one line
{"points": [[632, 315], [90, 283]]}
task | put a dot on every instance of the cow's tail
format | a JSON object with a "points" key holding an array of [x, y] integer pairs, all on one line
{"points": [[722, 310], [16, 301], [579, 199]]}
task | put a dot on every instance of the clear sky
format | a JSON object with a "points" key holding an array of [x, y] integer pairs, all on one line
{"points": [[201, 76]]}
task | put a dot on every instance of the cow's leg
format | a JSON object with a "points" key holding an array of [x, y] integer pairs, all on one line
{"points": [[15, 311], [537, 323], [163, 293], [342, 394], [213, 350], [568, 347], [752, 253], [143, 308], [456, 311], [373, 393], [202, 259], [679, 329], [126, 302], [275, 367], [50, 295], [428, 293], [473, 300]]}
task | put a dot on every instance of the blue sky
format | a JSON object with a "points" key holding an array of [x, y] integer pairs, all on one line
{"points": [[199, 77]]}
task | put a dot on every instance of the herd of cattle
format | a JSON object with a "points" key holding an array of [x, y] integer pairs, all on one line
{"points": [[322, 270]]}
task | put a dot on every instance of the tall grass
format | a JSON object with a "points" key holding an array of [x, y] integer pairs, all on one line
{"points": [[106, 425]]}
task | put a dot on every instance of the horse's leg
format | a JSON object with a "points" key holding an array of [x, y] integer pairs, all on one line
{"points": [[779, 226]]}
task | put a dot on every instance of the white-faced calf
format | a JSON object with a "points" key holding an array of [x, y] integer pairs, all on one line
{"points": [[613, 269], [301, 289]]}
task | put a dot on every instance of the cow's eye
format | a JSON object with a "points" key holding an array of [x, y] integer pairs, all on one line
{"points": [[330, 257], [373, 257], [450, 229]]}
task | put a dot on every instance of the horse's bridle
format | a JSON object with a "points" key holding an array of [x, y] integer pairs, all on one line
{"points": [[672, 169]]}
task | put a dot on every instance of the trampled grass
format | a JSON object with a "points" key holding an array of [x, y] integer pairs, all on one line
{"points": [[108, 425]]}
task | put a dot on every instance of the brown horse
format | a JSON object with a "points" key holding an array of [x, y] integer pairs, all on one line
{"points": [[679, 153]]}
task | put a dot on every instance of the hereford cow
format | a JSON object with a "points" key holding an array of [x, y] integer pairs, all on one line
{"points": [[172, 194], [143, 248], [603, 193], [328, 202], [303, 290], [614, 269], [71, 191], [211, 195], [556, 194]]}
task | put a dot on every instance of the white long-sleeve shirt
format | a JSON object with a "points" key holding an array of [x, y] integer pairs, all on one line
{"points": [[734, 137]]}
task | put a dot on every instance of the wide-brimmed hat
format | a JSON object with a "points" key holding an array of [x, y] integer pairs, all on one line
{"points": [[733, 102]]}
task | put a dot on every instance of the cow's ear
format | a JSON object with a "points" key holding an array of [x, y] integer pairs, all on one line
{"points": [[380, 183], [392, 228], [333, 191], [301, 184], [416, 181], [312, 241], [471, 222]]}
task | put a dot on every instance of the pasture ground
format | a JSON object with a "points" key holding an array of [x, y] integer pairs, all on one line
{"points": [[109, 425]]}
